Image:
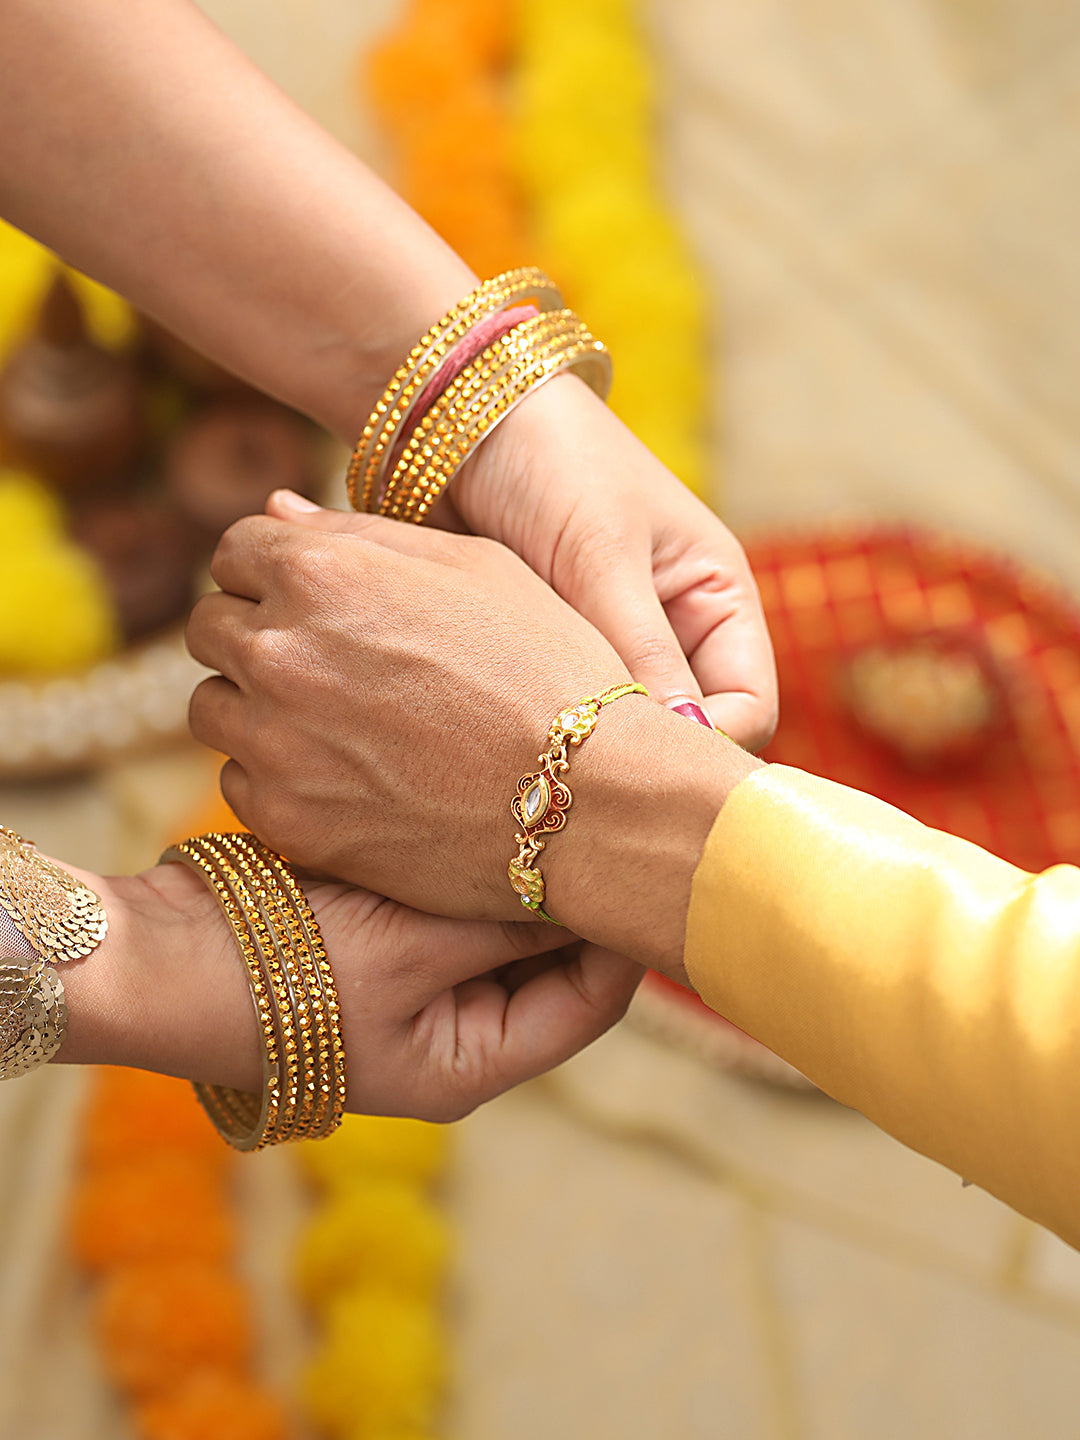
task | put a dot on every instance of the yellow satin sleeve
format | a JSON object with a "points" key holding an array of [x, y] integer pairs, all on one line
{"points": [[909, 974]]}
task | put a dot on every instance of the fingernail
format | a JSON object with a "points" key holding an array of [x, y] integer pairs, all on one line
{"points": [[290, 500], [692, 710]]}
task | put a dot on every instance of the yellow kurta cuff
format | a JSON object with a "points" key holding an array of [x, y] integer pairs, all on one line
{"points": [[909, 974]]}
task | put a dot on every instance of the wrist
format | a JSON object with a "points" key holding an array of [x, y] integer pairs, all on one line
{"points": [[166, 989], [647, 788], [500, 490]]}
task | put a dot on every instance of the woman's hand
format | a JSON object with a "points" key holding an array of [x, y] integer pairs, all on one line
{"points": [[438, 1015], [383, 687], [569, 488]]}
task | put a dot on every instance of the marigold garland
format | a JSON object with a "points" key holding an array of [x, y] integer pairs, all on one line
{"points": [[152, 1221], [437, 84], [586, 146], [371, 1263]]}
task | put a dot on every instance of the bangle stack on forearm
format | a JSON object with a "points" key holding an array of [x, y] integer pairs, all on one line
{"points": [[454, 420], [293, 990]]}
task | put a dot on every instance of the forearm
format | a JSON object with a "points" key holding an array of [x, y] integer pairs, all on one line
{"points": [[165, 990], [648, 787], [139, 143]]}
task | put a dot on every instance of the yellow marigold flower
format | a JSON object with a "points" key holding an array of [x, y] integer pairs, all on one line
{"points": [[380, 1367], [378, 1145], [26, 271], [55, 609], [372, 1232]]}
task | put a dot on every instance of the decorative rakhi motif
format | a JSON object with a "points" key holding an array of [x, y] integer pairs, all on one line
{"points": [[543, 798]]}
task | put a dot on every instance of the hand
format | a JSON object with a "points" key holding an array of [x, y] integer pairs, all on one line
{"points": [[438, 1015], [381, 689], [568, 487]]}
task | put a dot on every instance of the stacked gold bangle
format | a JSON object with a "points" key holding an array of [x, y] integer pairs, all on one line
{"points": [[293, 991], [484, 394], [493, 383], [388, 420], [543, 796]]}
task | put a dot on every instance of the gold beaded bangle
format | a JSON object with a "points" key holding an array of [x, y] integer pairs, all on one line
{"points": [[293, 992], [390, 416], [447, 429], [244, 1119], [274, 959], [543, 797], [325, 1081], [481, 397]]}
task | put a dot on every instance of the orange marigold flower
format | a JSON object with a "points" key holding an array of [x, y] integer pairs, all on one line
{"points": [[163, 1207], [478, 220], [213, 1403], [158, 1322], [481, 27], [132, 1112], [448, 146], [409, 74]]}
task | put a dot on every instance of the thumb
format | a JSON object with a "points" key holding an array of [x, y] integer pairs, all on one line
{"points": [[628, 613], [298, 510]]}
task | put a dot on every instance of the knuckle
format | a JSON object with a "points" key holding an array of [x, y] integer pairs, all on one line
{"points": [[274, 660]]}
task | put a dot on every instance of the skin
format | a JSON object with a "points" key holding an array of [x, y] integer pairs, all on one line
{"points": [[437, 1015], [381, 689], [203, 194], [138, 143]]}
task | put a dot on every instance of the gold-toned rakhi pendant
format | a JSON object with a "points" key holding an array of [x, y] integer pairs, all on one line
{"points": [[574, 725], [527, 883], [541, 802]]}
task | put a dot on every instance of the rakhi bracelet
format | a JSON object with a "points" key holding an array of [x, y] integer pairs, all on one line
{"points": [[410, 383], [543, 797], [47, 917], [481, 397], [293, 991]]}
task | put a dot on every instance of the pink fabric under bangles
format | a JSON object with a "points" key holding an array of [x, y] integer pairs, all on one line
{"points": [[461, 380], [399, 404]]}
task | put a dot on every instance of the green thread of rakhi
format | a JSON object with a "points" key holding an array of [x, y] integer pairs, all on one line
{"points": [[543, 797]]}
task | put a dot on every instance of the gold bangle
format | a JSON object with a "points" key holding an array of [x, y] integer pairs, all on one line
{"points": [[293, 991], [543, 797], [57, 919], [321, 1041], [390, 416], [481, 397]]}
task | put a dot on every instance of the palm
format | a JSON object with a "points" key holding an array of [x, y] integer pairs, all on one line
{"points": [[441, 1015]]}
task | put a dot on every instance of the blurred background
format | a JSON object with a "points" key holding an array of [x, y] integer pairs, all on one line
{"points": [[833, 248]]}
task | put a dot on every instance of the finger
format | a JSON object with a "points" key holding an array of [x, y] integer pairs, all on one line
{"points": [[215, 715], [218, 629], [239, 562], [235, 788], [406, 539], [723, 630], [625, 608], [550, 1018], [425, 956]]}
